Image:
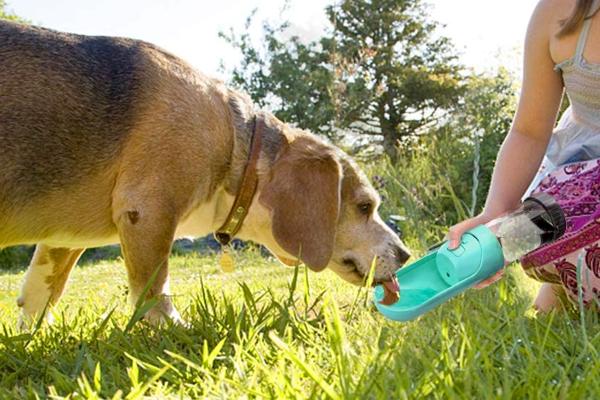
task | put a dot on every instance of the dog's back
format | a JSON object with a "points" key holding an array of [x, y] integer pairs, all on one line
{"points": [[73, 107], [66, 105]]}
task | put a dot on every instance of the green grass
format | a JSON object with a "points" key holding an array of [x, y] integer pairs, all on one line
{"points": [[266, 332]]}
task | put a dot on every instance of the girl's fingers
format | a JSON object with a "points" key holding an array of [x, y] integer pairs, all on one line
{"points": [[456, 232], [454, 235]]}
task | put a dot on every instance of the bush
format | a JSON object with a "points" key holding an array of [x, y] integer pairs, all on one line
{"points": [[15, 257], [426, 185]]}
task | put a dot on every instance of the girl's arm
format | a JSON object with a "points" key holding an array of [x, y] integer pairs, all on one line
{"points": [[523, 149]]}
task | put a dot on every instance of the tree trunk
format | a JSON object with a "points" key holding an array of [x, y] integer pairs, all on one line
{"points": [[390, 145], [387, 131]]}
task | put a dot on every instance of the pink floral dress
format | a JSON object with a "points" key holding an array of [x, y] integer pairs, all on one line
{"points": [[576, 187], [571, 174]]}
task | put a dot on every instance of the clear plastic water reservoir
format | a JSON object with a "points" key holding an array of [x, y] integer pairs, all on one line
{"points": [[538, 221]]}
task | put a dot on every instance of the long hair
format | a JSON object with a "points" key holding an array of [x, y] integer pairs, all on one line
{"points": [[570, 24]]}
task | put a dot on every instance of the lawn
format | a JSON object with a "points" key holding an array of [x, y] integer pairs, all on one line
{"points": [[268, 331]]}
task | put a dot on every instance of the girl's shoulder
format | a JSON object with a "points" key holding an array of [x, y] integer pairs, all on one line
{"points": [[558, 5], [548, 15], [556, 10]]}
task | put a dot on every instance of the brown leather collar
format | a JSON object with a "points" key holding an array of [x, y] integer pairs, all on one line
{"points": [[243, 199]]}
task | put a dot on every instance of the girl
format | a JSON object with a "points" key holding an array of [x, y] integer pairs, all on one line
{"points": [[562, 52]]}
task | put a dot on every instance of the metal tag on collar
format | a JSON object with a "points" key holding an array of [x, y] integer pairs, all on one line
{"points": [[226, 261]]}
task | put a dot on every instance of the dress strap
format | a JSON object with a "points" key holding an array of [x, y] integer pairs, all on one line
{"points": [[595, 6], [585, 29]]}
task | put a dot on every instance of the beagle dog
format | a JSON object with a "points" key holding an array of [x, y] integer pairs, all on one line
{"points": [[109, 140]]}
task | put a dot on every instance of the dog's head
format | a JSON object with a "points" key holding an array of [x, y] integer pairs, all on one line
{"points": [[321, 209]]}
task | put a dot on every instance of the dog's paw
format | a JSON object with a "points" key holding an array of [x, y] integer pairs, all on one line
{"points": [[28, 323], [159, 317], [181, 322], [24, 324]]}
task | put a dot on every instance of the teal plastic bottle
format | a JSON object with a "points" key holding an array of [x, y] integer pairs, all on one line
{"points": [[483, 251]]}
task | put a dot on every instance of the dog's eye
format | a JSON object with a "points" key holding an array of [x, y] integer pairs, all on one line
{"points": [[365, 208]]}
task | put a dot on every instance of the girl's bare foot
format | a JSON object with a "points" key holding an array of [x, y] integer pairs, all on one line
{"points": [[547, 298]]}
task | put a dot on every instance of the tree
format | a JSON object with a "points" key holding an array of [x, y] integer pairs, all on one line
{"points": [[380, 72], [293, 79], [4, 14], [409, 74]]}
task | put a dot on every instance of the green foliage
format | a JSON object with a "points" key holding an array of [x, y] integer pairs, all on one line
{"points": [[5, 14], [269, 331], [431, 182], [486, 115], [15, 257], [409, 74], [427, 186], [382, 72]]}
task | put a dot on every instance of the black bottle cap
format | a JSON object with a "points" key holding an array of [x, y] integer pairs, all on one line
{"points": [[554, 224]]}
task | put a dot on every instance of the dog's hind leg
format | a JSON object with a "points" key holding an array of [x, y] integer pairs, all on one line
{"points": [[45, 281], [146, 233]]}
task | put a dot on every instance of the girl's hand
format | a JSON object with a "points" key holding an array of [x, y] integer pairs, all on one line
{"points": [[455, 233]]}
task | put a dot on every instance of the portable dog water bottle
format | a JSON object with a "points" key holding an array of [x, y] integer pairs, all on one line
{"points": [[444, 273]]}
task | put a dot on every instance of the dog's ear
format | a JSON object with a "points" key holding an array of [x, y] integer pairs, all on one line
{"points": [[303, 194]]}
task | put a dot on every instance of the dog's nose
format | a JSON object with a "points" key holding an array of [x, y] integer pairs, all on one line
{"points": [[402, 255]]}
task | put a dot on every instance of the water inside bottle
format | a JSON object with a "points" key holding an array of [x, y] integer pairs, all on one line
{"points": [[517, 234], [537, 221]]}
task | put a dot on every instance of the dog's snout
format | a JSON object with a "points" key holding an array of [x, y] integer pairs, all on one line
{"points": [[402, 255]]}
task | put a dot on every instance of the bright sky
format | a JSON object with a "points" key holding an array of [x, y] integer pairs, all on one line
{"points": [[487, 33]]}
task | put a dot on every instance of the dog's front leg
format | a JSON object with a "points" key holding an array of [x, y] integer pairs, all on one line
{"points": [[146, 233]]}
